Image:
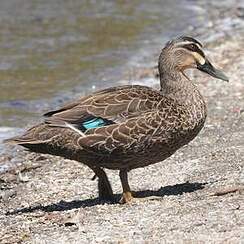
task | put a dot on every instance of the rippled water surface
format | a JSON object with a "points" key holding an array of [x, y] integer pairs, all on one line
{"points": [[49, 48]]}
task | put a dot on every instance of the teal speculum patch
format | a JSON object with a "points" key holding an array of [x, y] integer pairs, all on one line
{"points": [[94, 123]]}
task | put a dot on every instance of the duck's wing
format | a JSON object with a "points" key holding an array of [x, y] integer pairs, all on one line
{"points": [[119, 120], [129, 137], [101, 109], [109, 106]]}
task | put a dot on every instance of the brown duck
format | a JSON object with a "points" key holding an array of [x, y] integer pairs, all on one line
{"points": [[127, 127]]}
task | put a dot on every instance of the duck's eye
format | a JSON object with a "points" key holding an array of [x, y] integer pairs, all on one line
{"points": [[191, 47]]}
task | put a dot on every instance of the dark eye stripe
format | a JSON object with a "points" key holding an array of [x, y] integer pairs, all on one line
{"points": [[194, 48]]}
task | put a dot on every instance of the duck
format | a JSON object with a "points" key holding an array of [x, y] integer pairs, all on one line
{"points": [[131, 126]]}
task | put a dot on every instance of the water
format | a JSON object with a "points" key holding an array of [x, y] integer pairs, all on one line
{"points": [[50, 50]]}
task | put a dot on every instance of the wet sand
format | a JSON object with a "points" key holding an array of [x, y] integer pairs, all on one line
{"points": [[196, 196]]}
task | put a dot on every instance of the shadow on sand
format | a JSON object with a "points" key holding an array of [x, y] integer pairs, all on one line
{"points": [[177, 189]]}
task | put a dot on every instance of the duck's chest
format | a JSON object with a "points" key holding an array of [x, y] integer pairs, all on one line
{"points": [[187, 126], [181, 124], [191, 111], [191, 120]]}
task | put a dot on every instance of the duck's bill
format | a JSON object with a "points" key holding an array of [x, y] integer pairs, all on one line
{"points": [[208, 68]]}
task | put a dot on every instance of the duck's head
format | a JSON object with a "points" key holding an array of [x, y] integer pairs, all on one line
{"points": [[186, 52]]}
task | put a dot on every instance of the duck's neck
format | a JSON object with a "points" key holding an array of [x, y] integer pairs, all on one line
{"points": [[176, 85]]}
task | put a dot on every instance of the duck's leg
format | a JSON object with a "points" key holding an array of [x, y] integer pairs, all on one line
{"points": [[104, 188], [126, 196]]}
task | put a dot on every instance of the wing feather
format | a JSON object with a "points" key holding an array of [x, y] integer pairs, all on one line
{"points": [[134, 110], [114, 104], [130, 136]]}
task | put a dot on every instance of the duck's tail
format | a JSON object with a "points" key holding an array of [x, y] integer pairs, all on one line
{"points": [[13, 140], [21, 140], [32, 144], [30, 139], [42, 139]]}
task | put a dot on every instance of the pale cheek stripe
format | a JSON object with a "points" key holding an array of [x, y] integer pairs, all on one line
{"points": [[199, 58]]}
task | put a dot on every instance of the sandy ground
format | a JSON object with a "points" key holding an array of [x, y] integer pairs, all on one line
{"points": [[196, 196]]}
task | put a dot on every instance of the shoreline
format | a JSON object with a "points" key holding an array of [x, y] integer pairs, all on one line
{"points": [[200, 188]]}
